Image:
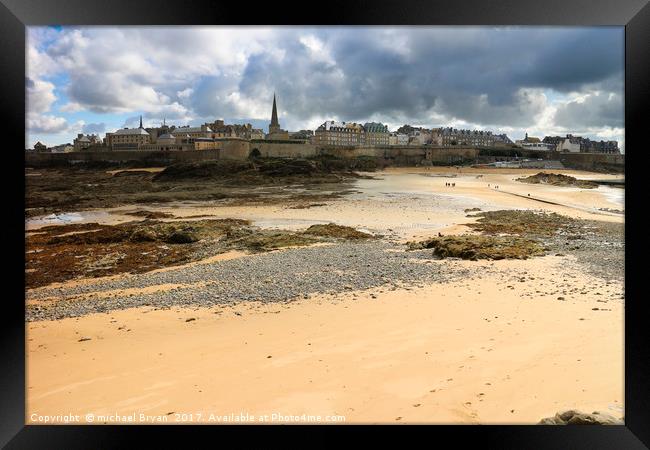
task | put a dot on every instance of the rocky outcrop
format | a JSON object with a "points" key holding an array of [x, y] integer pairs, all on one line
{"points": [[573, 417], [474, 247], [557, 179]]}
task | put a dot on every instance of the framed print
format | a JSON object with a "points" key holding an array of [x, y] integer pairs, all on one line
{"points": [[412, 214]]}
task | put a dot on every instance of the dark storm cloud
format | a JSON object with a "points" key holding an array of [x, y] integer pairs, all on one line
{"points": [[473, 74], [572, 59]]}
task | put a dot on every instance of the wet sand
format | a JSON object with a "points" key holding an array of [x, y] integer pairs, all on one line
{"points": [[484, 350], [406, 201]]}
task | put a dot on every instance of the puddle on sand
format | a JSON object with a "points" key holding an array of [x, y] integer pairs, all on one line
{"points": [[66, 218]]}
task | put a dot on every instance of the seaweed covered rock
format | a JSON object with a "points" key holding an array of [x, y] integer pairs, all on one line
{"points": [[143, 235], [333, 230], [150, 214], [523, 222], [181, 237], [474, 247], [263, 241], [573, 417], [287, 168], [203, 169], [260, 170]]}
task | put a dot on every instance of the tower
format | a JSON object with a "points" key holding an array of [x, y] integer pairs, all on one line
{"points": [[141, 121], [274, 127]]}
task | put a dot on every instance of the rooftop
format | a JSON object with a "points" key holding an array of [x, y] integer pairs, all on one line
{"points": [[131, 131], [192, 130], [375, 127]]}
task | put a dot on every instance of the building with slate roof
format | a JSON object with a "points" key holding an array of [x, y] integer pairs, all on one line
{"points": [[128, 138]]}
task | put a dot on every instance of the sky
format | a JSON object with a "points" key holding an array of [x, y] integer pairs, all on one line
{"points": [[515, 80]]}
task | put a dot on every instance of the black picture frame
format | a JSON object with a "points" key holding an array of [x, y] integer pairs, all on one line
{"points": [[15, 15]]}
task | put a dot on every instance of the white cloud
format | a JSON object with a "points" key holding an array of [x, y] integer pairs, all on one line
{"points": [[185, 93], [117, 70], [71, 107], [317, 49], [40, 96], [592, 109], [46, 124], [39, 62]]}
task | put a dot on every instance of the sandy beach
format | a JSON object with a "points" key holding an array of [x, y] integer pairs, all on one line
{"points": [[500, 342]]}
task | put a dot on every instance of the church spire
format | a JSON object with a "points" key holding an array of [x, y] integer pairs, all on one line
{"points": [[274, 114], [140, 121], [274, 127]]}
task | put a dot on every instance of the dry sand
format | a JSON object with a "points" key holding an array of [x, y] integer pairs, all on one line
{"points": [[469, 352], [475, 351]]}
